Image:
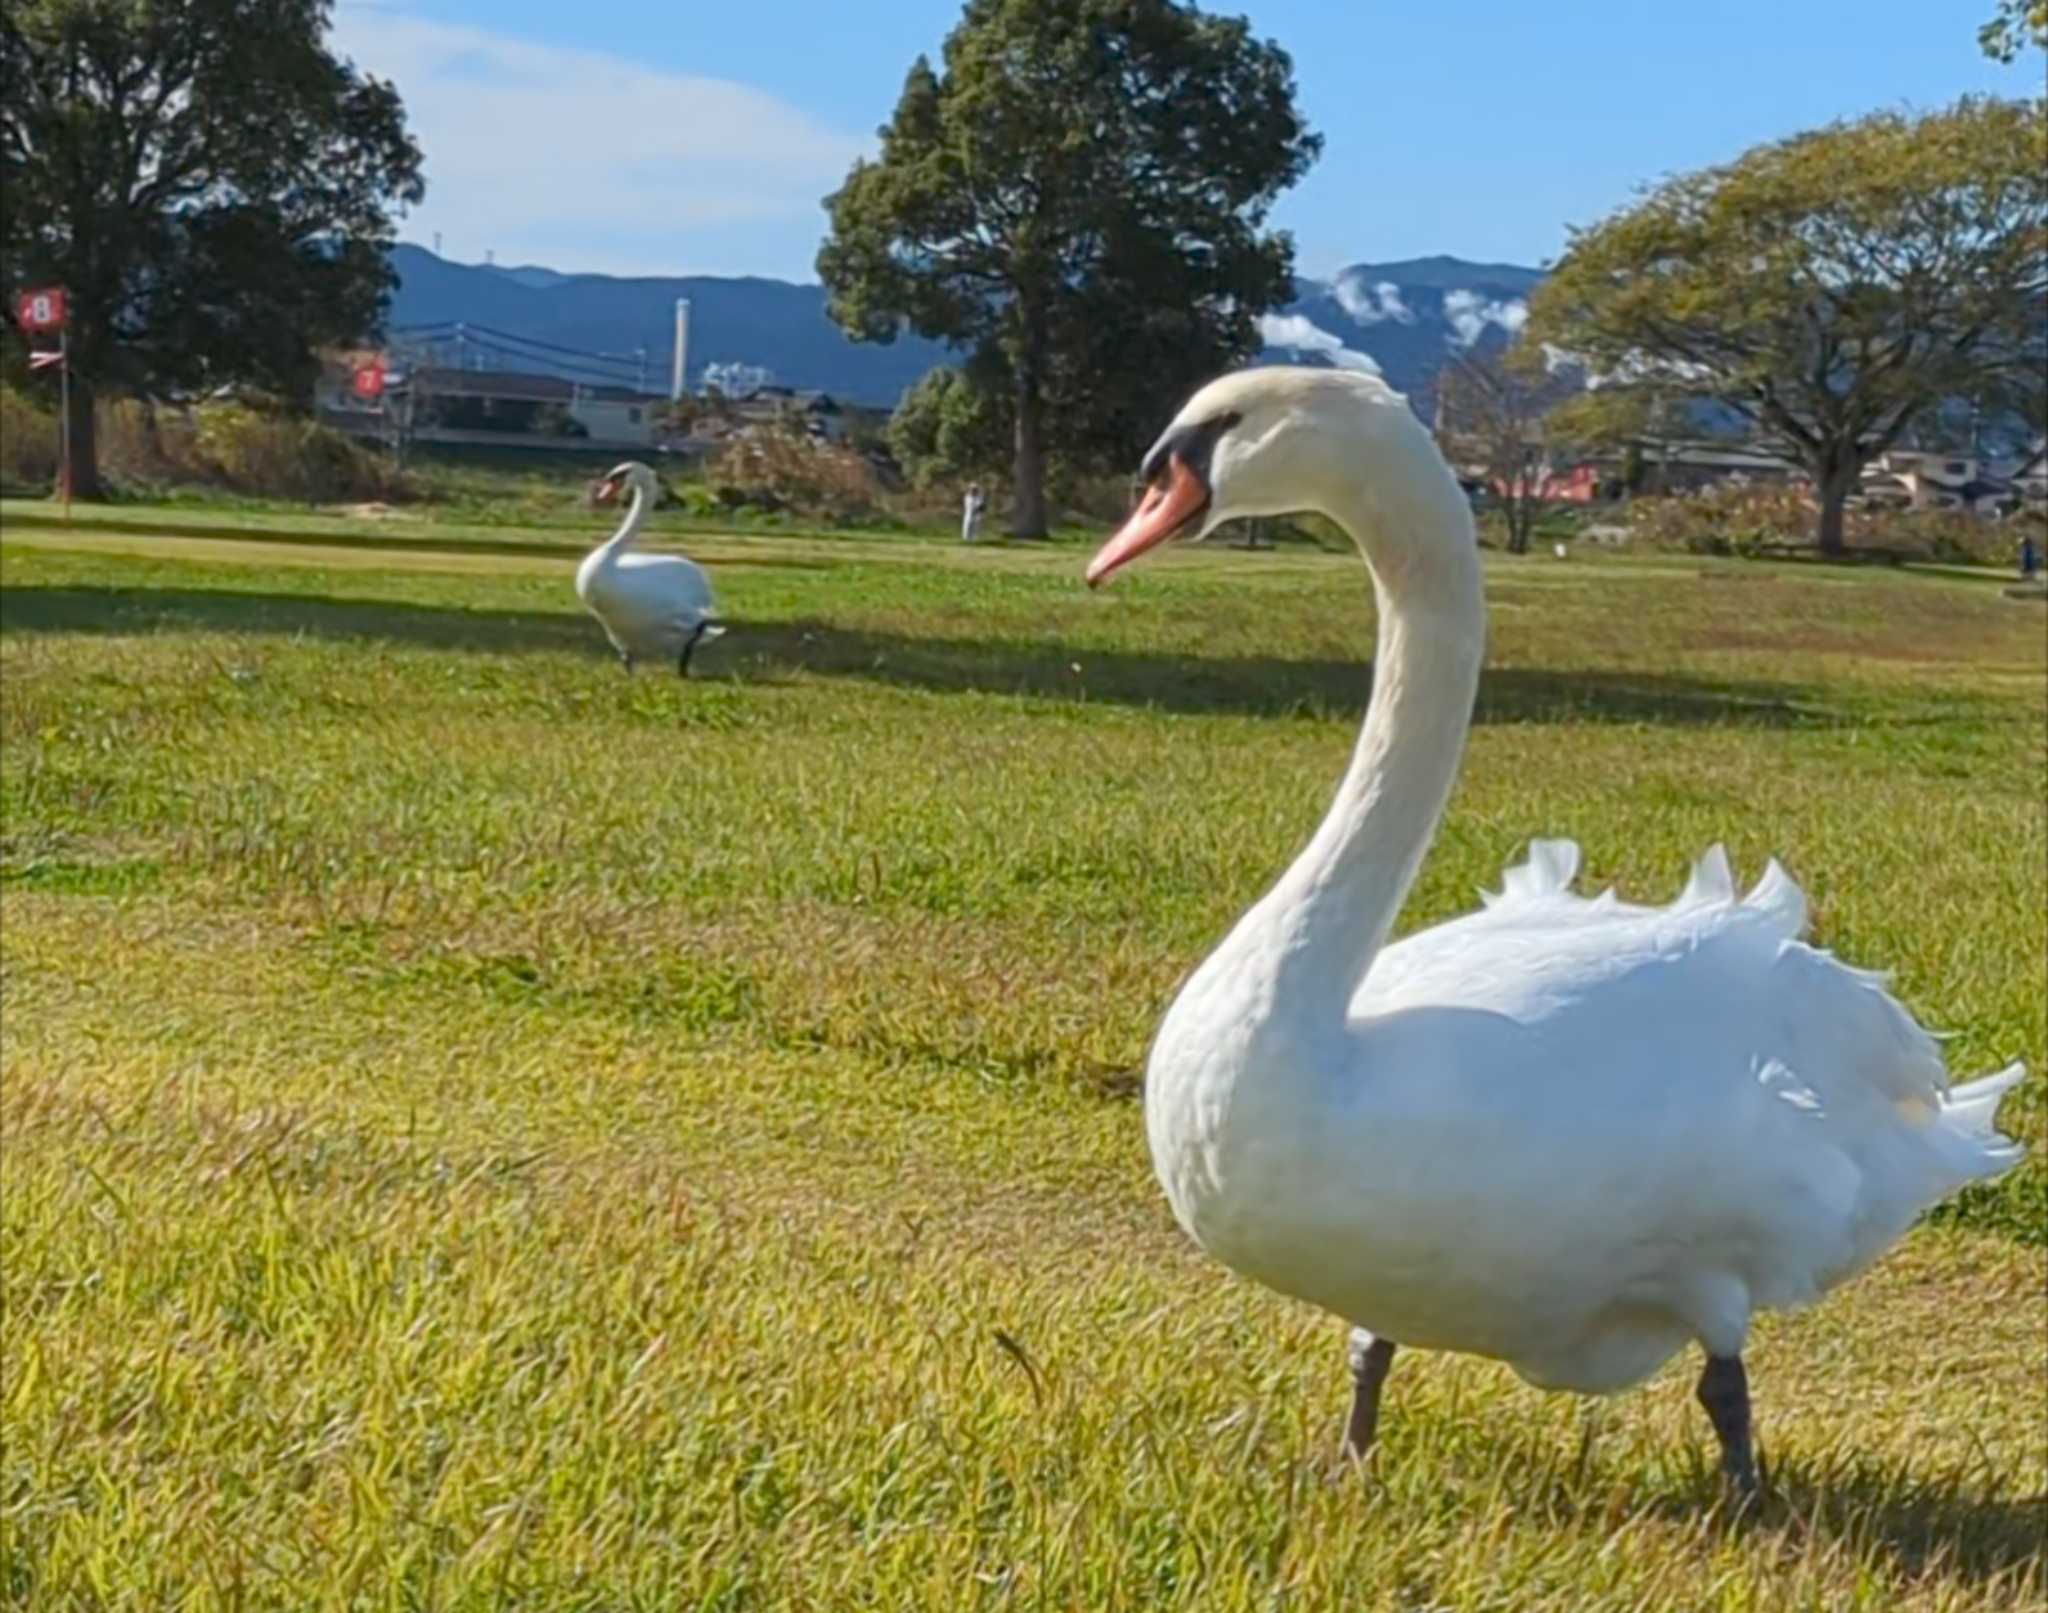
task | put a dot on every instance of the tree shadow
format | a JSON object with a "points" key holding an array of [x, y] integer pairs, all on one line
{"points": [[1047, 668], [1252, 685], [566, 548]]}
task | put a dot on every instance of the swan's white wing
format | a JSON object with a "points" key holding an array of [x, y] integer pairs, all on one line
{"points": [[1633, 1081], [649, 603], [669, 581]]}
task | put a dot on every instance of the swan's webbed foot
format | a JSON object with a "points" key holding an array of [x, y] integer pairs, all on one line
{"points": [[1724, 1392], [1370, 1359]]}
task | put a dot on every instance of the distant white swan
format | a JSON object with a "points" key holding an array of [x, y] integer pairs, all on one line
{"points": [[1569, 1134], [652, 606]]}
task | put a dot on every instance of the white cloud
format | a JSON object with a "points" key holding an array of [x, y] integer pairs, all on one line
{"points": [[1303, 335], [1368, 305], [1468, 314], [585, 159]]}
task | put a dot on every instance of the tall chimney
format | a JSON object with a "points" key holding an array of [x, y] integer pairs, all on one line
{"points": [[679, 373]]}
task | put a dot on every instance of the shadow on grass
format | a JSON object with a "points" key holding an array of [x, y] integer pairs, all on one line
{"points": [[1925, 1526], [1959, 1522], [568, 546], [767, 652]]}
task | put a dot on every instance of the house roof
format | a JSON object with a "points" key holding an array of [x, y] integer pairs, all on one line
{"points": [[810, 399], [521, 387]]}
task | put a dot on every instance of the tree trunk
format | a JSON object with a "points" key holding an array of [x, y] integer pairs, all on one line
{"points": [[1028, 519], [1834, 483], [84, 467]]}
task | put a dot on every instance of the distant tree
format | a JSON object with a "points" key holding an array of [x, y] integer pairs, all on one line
{"points": [[1638, 423], [1078, 200], [1830, 288], [2015, 24], [1496, 409], [212, 186], [947, 427]]}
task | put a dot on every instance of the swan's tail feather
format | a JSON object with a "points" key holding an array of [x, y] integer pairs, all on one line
{"points": [[1969, 1123], [1777, 894], [1551, 867], [1711, 880]]}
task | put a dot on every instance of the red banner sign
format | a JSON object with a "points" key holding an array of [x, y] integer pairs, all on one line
{"points": [[41, 310], [370, 381]]}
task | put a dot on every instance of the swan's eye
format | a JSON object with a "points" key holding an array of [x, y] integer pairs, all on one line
{"points": [[1191, 445]]}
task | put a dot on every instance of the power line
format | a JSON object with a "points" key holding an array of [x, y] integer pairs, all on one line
{"points": [[489, 334], [627, 374]]}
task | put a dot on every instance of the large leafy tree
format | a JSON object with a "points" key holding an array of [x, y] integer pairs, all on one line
{"points": [[1833, 288], [1078, 199], [2012, 27], [214, 189]]}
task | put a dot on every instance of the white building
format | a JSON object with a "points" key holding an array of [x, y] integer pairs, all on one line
{"points": [[1924, 481]]}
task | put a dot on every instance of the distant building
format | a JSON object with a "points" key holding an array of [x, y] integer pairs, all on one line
{"points": [[1677, 467], [816, 414], [2027, 475], [1924, 481], [496, 406]]}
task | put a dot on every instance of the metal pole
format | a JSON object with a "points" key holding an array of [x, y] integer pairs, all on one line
{"points": [[64, 413]]}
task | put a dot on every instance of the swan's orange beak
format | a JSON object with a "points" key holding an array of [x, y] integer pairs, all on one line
{"points": [[607, 490], [1163, 511]]}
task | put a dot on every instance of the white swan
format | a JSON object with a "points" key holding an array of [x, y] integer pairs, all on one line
{"points": [[1568, 1134], [653, 605]]}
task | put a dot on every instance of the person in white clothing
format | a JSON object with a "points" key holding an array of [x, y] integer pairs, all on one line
{"points": [[971, 505]]}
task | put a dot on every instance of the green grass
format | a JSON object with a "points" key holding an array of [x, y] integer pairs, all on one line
{"points": [[482, 1132]]}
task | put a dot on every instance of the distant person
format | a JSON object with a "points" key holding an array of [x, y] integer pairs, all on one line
{"points": [[2030, 557], [972, 503]]}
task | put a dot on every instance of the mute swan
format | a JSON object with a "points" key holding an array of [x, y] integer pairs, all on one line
{"points": [[654, 605], [1568, 1134]]}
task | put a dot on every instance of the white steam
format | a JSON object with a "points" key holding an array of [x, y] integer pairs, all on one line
{"points": [[1302, 335], [1468, 314], [1369, 305]]}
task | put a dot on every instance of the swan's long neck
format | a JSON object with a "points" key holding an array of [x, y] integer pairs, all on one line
{"points": [[629, 528], [1306, 946]]}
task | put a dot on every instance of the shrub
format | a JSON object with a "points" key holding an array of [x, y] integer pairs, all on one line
{"points": [[1723, 520], [1957, 538], [28, 441], [273, 454], [1758, 520], [779, 470], [226, 445]]}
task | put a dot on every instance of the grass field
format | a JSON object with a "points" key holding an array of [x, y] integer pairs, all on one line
{"points": [[483, 1132]]}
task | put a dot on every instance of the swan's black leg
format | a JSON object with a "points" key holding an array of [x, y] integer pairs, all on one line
{"points": [[1724, 1392], [1370, 1359], [689, 645], [626, 661]]}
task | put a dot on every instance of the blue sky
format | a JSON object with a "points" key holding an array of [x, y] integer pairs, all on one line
{"points": [[657, 137]]}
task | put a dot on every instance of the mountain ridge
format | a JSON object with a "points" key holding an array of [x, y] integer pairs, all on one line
{"points": [[1402, 318]]}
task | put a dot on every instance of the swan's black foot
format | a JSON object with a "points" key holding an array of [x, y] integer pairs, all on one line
{"points": [[1724, 1392], [1370, 1359], [689, 649]]}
